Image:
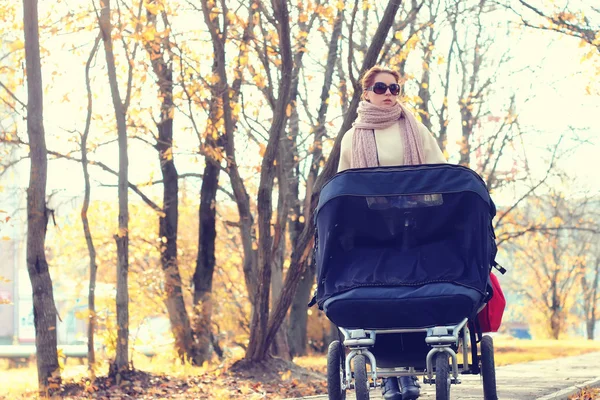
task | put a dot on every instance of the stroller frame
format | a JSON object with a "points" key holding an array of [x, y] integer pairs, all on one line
{"points": [[440, 338]]}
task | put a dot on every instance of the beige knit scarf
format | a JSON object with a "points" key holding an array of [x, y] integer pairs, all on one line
{"points": [[371, 117]]}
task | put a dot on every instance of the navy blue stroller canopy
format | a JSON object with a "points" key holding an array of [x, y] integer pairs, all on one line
{"points": [[405, 227]]}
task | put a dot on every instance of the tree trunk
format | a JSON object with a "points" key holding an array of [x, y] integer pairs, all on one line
{"points": [[470, 91], [168, 221], [297, 333], [590, 327], [44, 309], [424, 89], [91, 354], [412, 31], [122, 236], [215, 142], [590, 300], [288, 209], [225, 96], [555, 304], [343, 85], [442, 137], [297, 337], [287, 200], [302, 246], [280, 346], [206, 260], [466, 117], [259, 340], [555, 324], [591, 324]]}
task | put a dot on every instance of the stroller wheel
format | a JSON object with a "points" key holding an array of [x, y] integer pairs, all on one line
{"points": [[361, 382], [488, 370], [442, 377], [335, 371]]}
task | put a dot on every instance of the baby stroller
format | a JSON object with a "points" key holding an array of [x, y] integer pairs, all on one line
{"points": [[403, 259]]}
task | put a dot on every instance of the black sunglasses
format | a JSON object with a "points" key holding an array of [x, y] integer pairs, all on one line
{"points": [[381, 88]]}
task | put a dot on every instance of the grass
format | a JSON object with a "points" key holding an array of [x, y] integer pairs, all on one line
{"points": [[23, 380], [514, 351]]}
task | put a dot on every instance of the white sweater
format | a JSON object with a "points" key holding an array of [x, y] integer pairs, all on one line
{"points": [[390, 146]]}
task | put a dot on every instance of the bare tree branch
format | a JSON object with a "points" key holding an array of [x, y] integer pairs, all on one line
{"points": [[13, 95], [534, 188]]}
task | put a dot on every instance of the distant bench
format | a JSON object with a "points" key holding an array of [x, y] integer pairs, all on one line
{"points": [[20, 354]]}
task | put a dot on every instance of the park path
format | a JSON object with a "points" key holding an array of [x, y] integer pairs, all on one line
{"points": [[541, 380]]}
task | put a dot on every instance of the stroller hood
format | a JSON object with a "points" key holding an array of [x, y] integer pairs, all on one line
{"points": [[403, 226]]}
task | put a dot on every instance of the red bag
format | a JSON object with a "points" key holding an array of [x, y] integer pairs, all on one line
{"points": [[490, 317]]}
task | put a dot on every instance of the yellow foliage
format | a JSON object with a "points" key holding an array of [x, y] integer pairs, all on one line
{"points": [[153, 8], [588, 55], [259, 80], [149, 34], [286, 375], [16, 45], [168, 154]]}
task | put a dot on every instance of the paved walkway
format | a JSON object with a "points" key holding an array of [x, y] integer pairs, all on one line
{"points": [[542, 380]]}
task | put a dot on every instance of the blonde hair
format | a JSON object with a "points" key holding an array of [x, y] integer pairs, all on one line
{"points": [[368, 78]]}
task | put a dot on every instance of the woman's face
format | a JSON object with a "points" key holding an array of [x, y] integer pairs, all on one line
{"points": [[387, 98]]}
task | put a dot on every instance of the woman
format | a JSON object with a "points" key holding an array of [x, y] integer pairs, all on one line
{"points": [[387, 134]]}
